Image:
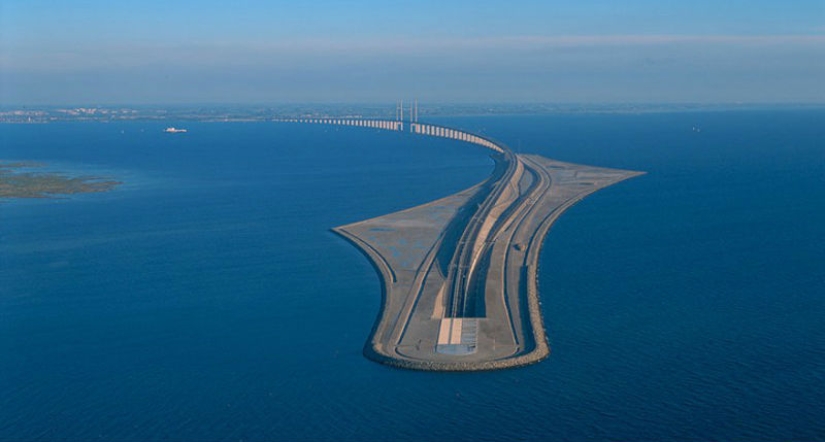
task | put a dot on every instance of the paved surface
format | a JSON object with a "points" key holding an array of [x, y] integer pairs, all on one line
{"points": [[459, 274]]}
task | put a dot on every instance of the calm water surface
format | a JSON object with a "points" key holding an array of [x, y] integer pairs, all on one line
{"points": [[206, 299]]}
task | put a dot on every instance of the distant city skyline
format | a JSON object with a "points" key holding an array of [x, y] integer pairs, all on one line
{"points": [[638, 51]]}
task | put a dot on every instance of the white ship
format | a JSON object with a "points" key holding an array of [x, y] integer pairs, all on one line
{"points": [[172, 130]]}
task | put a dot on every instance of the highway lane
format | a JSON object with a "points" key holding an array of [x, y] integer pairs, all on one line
{"points": [[462, 265]]}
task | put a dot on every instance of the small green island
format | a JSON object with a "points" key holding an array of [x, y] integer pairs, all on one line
{"points": [[17, 183]]}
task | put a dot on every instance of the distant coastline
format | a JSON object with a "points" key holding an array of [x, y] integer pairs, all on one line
{"points": [[23, 114]]}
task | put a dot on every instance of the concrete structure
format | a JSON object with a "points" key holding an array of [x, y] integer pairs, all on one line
{"points": [[459, 274]]}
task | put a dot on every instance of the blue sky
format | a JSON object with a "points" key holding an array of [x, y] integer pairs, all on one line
{"points": [[107, 52]]}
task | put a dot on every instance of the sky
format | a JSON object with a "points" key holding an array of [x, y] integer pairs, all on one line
{"points": [[449, 51]]}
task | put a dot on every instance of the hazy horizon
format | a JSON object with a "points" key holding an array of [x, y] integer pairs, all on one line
{"points": [[256, 52]]}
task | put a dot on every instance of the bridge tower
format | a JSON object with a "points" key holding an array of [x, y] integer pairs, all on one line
{"points": [[399, 116]]}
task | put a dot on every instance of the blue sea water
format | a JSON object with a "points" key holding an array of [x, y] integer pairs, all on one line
{"points": [[206, 298]]}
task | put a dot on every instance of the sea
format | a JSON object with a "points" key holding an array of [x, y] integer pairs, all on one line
{"points": [[207, 299]]}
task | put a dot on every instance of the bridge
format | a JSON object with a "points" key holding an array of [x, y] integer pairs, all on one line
{"points": [[459, 274], [398, 125]]}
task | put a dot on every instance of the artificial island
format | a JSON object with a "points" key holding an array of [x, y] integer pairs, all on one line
{"points": [[459, 274]]}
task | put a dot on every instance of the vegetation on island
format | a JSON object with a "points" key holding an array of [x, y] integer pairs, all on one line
{"points": [[28, 184]]}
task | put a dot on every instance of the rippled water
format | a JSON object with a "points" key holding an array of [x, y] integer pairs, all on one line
{"points": [[206, 298]]}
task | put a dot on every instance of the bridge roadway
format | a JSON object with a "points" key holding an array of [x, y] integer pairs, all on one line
{"points": [[459, 274]]}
